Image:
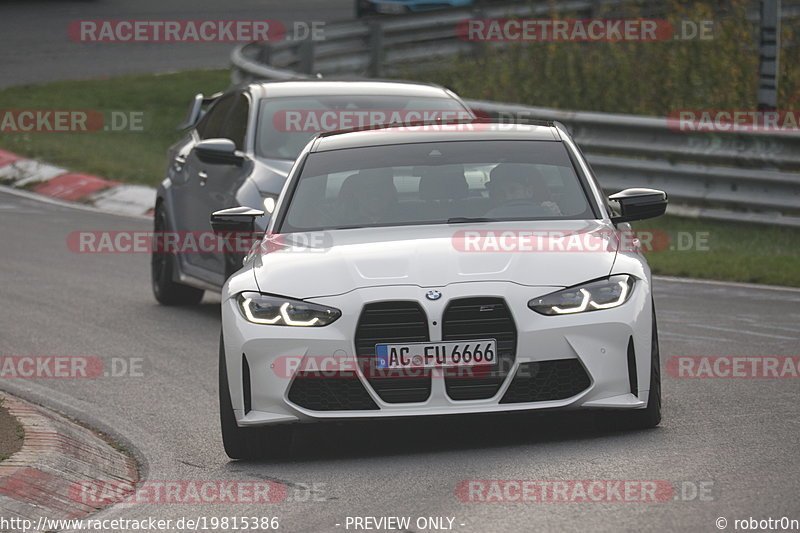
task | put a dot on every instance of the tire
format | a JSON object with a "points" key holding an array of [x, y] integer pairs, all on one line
{"points": [[247, 443], [650, 416], [162, 267]]}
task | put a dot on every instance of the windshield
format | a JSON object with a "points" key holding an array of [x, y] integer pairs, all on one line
{"points": [[285, 125], [436, 183]]}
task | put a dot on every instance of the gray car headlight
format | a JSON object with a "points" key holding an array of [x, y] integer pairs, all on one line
{"points": [[593, 296], [279, 311], [269, 201]]}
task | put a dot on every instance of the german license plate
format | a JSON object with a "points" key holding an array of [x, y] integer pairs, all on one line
{"points": [[436, 354]]}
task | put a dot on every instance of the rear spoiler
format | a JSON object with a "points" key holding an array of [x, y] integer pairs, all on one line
{"points": [[196, 109]]}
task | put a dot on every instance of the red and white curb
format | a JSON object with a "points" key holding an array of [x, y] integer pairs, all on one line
{"points": [[56, 454], [57, 182]]}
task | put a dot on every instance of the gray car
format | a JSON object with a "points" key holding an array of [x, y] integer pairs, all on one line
{"points": [[239, 152]]}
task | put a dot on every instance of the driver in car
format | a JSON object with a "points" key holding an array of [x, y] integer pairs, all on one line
{"points": [[368, 197], [519, 190]]}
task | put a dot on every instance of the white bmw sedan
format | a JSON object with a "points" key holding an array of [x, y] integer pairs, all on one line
{"points": [[435, 270]]}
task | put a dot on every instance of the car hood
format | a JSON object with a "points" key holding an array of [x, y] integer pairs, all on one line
{"points": [[306, 265]]}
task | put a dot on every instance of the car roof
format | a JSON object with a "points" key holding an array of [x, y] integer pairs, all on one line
{"points": [[466, 131], [347, 87]]}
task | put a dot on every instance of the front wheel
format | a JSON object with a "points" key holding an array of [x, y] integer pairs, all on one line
{"points": [[162, 267], [650, 416], [246, 443]]}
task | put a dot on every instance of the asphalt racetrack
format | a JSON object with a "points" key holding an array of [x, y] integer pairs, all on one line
{"points": [[37, 47]]}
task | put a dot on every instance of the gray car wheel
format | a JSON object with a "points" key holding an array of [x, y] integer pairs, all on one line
{"points": [[167, 291]]}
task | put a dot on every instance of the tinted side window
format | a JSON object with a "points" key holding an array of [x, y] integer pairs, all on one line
{"points": [[235, 125], [210, 126]]}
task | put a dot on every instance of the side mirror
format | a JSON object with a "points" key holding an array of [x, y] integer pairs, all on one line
{"points": [[194, 112], [639, 204], [218, 152], [235, 219]]}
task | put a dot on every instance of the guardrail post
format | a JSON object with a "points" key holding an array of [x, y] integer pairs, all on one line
{"points": [[375, 69], [306, 53], [769, 50], [264, 53]]}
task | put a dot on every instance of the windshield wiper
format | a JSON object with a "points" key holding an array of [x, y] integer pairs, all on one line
{"points": [[466, 220]]}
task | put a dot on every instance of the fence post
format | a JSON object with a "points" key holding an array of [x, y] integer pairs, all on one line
{"points": [[375, 68], [769, 51]]}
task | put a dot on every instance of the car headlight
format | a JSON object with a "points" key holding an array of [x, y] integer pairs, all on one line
{"points": [[269, 202], [593, 296], [278, 311]]}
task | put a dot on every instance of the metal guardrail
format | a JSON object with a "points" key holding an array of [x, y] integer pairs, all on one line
{"points": [[753, 177], [384, 46]]}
